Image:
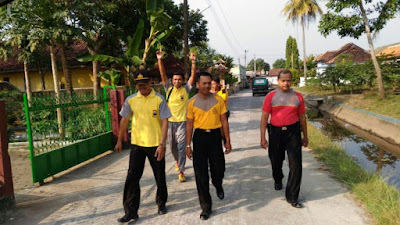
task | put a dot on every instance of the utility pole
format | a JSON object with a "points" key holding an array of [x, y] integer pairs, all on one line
{"points": [[255, 68], [239, 61], [185, 37], [245, 62]]}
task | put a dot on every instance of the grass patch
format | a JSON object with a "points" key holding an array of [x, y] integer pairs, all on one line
{"points": [[380, 199], [316, 91], [368, 100]]}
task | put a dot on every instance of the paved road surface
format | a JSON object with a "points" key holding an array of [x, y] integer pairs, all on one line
{"points": [[92, 194]]}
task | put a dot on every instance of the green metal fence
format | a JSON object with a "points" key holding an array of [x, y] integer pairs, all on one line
{"points": [[65, 131]]}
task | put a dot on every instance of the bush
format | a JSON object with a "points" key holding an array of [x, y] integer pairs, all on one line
{"points": [[14, 107], [88, 122], [295, 76]]}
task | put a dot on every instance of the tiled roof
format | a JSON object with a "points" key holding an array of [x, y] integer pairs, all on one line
{"points": [[274, 72], [392, 50], [13, 65], [359, 54]]}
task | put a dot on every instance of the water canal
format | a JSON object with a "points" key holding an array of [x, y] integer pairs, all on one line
{"points": [[370, 152]]}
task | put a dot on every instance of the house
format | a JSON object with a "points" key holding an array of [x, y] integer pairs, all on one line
{"points": [[392, 51], [239, 72], [329, 58], [273, 75], [12, 71]]}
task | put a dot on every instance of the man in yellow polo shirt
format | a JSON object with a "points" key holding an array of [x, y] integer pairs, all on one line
{"points": [[206, 113], [177, 96], [149, 113]]}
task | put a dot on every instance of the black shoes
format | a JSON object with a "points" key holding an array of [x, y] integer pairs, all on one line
{"points": [[295, 204], [278, 186], [126, 218], [162, 210], [205, 215], [220, 193]]}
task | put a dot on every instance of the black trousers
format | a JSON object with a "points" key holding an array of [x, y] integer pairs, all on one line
{"points": [[289, 139], [137, 159], [207, 149]]}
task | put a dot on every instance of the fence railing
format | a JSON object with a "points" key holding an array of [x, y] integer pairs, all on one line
{"points": [[58, 129]]}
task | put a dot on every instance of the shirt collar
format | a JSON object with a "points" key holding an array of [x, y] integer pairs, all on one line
{"points": [[279, 90], [152, 93]]}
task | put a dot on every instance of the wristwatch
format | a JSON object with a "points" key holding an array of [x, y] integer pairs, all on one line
{"points": [[162, 144], [187, 146]]}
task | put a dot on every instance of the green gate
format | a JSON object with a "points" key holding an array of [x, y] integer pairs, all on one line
{"points": [[65, 131]]}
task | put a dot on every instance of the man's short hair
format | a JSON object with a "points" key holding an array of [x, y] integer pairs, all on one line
{"points": [[285, 72], [200, 74], [178, 74]]}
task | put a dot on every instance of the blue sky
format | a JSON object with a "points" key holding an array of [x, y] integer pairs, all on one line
{"points": [[259, 27]]}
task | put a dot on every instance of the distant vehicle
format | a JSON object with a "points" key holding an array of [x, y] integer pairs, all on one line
{"points": [[260, 86]]}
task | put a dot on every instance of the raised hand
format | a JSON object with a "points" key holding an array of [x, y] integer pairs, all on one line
{"points": [[160, 54], [192, 57]]}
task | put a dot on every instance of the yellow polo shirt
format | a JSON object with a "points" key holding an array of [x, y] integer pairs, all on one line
{"points": [[146, 113], [177, 101], [206, 113], [223, 93]]}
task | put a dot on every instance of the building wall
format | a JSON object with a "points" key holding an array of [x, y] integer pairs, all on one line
{"points": [[240, 73], [321, 67], [81, 77], [273, 80]]}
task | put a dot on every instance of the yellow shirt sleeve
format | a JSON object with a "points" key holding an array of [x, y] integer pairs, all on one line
{"points": [[222, 106], [189, 111]]}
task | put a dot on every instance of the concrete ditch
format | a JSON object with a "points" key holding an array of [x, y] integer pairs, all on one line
{"points": [[384, 127]]}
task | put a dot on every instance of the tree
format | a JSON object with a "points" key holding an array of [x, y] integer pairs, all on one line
{"points": [[130, 59], [292, 54], [302, 11], [336, 75], [197, 28], [204, 55], [260, 65], [279, 63], [354, 17]]}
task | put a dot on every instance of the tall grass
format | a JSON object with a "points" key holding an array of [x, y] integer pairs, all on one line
{"points": [[380, 199]]}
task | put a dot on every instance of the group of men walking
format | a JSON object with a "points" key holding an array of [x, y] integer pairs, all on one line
{"points": [[203, 121]]}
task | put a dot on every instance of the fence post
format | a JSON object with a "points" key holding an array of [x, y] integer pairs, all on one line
{"points": [[30, 138], [117, 99], [7, 200], [107, 115]]}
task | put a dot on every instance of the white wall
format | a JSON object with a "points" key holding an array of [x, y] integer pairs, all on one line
{"points": [[273, 80]]}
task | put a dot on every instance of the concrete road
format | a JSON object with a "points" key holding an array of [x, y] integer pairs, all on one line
{"points": [[92, 194]]}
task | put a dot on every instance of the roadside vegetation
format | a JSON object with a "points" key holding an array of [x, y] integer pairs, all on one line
{"points": [[368, 100], [380, 199]]}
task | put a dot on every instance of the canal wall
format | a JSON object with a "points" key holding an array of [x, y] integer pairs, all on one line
{"points": [[379, 125]]}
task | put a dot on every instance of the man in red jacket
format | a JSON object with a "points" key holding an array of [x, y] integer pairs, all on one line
{"points": [[288, 120]]}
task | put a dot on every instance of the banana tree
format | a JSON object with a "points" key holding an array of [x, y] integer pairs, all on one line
{"points": [[135, 56], [112, 76]]}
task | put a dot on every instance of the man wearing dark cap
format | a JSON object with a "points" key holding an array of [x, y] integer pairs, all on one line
{"points": [[287, 122], [149, 113]]}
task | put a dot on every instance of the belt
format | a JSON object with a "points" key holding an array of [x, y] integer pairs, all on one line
{"points": [[207, 130], [286, 127]]}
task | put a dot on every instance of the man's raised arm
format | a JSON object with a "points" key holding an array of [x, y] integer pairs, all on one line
{"points": [[164, 78]]}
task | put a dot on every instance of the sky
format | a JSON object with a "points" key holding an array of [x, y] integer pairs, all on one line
{"points": [[259, 27]]}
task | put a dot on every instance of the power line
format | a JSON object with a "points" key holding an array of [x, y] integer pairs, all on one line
{"points": [[221, 28], [227, 23]]}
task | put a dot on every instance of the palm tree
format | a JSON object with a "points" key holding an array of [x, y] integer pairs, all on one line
{"points": [[303, 11]]}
